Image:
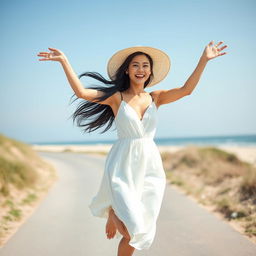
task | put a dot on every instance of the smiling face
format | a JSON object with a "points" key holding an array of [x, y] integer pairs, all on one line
{"points": [[139, 69]]}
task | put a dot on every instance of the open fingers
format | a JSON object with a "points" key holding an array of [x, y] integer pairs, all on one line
{"points": [[43, 54], [46, 56], [223, 47], [54, 50], [47, 53], [212, 42], [44, 59], [219, 43], [222, 53]]}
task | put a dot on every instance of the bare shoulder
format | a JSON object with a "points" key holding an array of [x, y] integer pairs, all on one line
{"points": [[113, 101]]}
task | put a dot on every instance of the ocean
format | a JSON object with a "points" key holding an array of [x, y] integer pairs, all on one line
{"points": [[238, 140]]}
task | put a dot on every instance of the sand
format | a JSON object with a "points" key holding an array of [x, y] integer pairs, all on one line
{"points": [[245, 153]]}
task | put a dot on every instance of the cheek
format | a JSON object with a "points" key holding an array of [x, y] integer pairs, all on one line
{"points": [[132, 70]]}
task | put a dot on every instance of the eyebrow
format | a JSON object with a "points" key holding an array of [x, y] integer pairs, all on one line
{"points": [[138, 62]]}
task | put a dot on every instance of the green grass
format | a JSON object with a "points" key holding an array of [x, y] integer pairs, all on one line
{"points": [[29, 199], [15, 213], [8, 203]]}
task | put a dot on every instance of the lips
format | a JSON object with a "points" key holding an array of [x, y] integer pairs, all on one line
{"points": [[140, 76]]}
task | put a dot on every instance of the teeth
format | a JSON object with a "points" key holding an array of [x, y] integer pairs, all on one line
{"points": [[140, 75]]}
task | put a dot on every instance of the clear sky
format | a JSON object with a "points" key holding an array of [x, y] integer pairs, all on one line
{"points": [[36, 96]]}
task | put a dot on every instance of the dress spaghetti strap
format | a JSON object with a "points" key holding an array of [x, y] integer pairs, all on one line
{"points": [[121, 96], [151, 97]]}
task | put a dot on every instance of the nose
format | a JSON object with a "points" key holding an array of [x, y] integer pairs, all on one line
{"points": [[140, 68]]}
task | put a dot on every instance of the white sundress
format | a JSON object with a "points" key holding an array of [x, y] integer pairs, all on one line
{"points": [[133, 182]]}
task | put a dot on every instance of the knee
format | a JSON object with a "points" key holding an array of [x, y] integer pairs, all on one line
{"points": [[127, 238]]}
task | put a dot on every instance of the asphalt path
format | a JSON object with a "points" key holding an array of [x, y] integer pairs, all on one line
{"points": [[62, 225]]}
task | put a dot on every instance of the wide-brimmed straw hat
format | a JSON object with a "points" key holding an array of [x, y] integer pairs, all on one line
{"points": [[161, 62]]}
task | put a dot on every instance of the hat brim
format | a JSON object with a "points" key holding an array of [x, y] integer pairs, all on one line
{"points": [[161, 62]]}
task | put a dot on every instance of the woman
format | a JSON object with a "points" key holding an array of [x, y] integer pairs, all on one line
{"points": [[133, 184]]}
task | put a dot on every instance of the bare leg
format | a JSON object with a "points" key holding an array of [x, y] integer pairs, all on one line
{"points": [[119, 224], [110, 228], [124, 249]]}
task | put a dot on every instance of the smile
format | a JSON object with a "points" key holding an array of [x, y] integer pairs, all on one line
{"points": [[140, 76]]}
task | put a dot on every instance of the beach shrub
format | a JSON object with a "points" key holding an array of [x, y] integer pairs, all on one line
{"points": [[15, 165], [248, 185]]}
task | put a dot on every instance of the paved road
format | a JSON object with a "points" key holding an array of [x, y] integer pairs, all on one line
{"points": [[63, 226]]}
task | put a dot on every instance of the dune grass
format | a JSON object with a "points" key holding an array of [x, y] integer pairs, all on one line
{"points": [[216, 178], [24, 179], [18, 173]]}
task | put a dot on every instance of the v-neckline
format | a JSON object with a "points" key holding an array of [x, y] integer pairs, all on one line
{"points": [[135, 112]]}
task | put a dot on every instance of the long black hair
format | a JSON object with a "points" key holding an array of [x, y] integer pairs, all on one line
{"points": [[104, 113]]}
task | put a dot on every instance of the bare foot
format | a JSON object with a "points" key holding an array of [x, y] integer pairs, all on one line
{"points": [[118, 224], [110, 228]]}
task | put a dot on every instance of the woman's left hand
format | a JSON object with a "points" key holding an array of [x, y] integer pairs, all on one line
{"points": [[211, 52]]}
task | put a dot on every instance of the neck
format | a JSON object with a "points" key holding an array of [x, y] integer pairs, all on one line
{"points": [[136, 89]]}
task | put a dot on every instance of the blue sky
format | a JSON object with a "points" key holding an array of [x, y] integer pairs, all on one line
{"points": [[35, 96]]}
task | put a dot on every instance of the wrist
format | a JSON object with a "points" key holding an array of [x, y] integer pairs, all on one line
{"points": [[204, 59], [64, 60]]}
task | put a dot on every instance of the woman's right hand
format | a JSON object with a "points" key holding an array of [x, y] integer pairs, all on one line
{"points": [[54, 55]]}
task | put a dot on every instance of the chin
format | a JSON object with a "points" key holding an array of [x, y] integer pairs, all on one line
{"points": [[138, 82]]}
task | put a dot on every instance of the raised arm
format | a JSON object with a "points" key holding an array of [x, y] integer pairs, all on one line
{"points": [[75, 83], [167, 96]]}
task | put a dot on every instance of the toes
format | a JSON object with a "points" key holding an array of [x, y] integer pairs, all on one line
{"points": [[110, 235], [114, 233]]}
